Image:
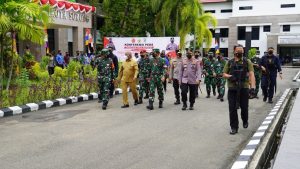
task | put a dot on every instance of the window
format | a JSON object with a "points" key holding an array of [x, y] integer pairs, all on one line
{"points": [[267, 28], [224, 32], [255, 33], [288, 5], [286, 28], [226, 11], [242, 33], [245, 7], [212, 32], [210, 11]]}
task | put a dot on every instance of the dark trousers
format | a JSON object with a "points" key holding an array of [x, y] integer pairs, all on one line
{"points": [[165, 85], [244, 104], [176, 89], [268, 86], [184, 90], [111, 89], [51, 70]]}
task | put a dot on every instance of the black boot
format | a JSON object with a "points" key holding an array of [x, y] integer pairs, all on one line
{"points": [[99, 101], [265, 99], [219, 97], [147, 96], [150, 106], [177, 102], [140, 100], [160, 104], [208, 96], [136, 102], [192, 106], [184, 106], [104, 105]]}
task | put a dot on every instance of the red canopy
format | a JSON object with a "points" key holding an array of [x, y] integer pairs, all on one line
{"points": [[61, 4]]}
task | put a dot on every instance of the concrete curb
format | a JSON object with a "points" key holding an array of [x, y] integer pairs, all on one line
{"points": [[297, 77], [246, 155], [30, 107]]}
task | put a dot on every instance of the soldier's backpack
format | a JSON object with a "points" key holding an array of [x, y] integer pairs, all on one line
{"points": [[239, 71]]}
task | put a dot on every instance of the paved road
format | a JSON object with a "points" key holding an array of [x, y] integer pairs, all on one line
{"points": [[82, 136]]}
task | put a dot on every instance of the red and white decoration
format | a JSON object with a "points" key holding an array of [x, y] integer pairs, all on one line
{"points": [[61, 4]]}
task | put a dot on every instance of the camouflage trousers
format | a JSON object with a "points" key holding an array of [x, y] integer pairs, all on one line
{"points": [[257, 82], [144, 88], [210, 82], [156, 83], [104, 85], [220, 82]]}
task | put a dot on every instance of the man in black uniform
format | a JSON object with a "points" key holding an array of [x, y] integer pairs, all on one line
{"points": [[270, 65], [116, 64], [239, 71]]}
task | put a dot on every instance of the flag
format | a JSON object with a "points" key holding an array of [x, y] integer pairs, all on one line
{"points": [[87, 33]]}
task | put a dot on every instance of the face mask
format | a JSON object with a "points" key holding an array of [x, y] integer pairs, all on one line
{"points": [[189, 56], [239, 55], [142, 56], [219, 57], [210, 57], [270, 52], [196, 56]]}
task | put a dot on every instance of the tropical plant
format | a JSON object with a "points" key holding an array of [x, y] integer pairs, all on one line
{"points": [[188, 16], [252, 53], [22, 18]]}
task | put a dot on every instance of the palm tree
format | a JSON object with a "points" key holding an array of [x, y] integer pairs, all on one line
{"points": [[23, 18], [189, 18]]}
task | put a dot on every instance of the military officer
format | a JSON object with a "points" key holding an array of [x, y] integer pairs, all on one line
{"points": [[218, 72], [157, 76], [189, 77], [106, 75], [174, 76], [144, 75], [197, 57], [209, 77]]}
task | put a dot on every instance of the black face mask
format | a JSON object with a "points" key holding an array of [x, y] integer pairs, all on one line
{"points": [[110, 52], [189, 56], [210, 57], [219, 57], [239, 55], [196, 56], [270, 52]]}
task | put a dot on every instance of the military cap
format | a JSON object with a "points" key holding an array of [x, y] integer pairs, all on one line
{"points": [[104, 51], [156, 50], [143, 51]]}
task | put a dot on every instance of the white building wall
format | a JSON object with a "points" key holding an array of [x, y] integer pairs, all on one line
{"points": [[218, 7], [264, 7]]}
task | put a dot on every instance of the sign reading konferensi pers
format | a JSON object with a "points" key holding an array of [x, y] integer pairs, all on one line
{"points": [[70, 15]]}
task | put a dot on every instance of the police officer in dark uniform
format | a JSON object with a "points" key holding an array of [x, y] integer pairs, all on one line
{"points": [[239, 71], [270, 65]]}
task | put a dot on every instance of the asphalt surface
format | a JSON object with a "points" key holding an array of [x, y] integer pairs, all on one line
{"points": [[82, 136]]}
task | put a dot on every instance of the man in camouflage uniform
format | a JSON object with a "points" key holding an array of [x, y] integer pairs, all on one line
{"points": [[144, 75], [106, 75], [257, 73], [209, 78], [157, 76], [197, 55], [218, 72]]}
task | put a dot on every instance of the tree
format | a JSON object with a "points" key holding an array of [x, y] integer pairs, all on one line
{"points": [[24, 19], [189, 18], [128, 18]]}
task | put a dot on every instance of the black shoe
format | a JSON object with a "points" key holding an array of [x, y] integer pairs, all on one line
{"points": [[184, 106], [104, 105], [125, 106], [99, 101], [160, 104], [177, 102], [208, 96], [221, 99], [146, 97], [265, 99], [214, 93], [245, 125], [233, 131], [111, 96], [270, 101], [150, 106], [136, 102], [191, 108], [140, 100]]}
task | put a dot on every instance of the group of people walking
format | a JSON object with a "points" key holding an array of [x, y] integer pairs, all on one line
{"points": [[186, 74]]}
